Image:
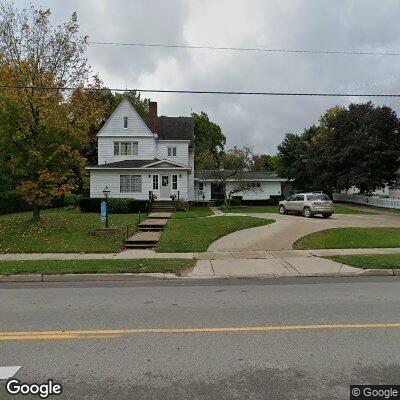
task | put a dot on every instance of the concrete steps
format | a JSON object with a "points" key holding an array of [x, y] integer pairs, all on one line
{"points": [[150, 230], [153, 225], [162, 206], [159, 215], [143, 240]]}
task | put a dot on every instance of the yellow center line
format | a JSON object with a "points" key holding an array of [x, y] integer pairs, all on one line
{"points": [[116, 333]]}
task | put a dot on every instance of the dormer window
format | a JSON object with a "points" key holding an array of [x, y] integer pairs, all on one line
{"points": [[125, 122], [171, 151]]}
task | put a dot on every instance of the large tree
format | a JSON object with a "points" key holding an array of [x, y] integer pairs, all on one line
{"points": [[265, 162], [233, 167], [355, 146], [208, 136], [43, 129], [291, 163]]}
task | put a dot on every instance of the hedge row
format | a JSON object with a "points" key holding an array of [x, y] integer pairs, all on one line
{"points": [[11, 202], [272, 201], [115, 206]]}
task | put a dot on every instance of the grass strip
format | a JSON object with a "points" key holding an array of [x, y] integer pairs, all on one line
{"points": [[350, 238], [53, 267], [369, 261]]}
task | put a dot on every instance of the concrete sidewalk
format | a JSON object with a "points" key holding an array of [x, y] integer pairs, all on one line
{"points": [[262, 264], [208, 255]]}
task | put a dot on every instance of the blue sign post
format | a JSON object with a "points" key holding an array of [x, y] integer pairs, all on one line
{"points": [[104, 208], [103, 211]]}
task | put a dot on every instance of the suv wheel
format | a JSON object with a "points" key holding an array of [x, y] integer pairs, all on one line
{"points": [[307, 212], [282, 210]]}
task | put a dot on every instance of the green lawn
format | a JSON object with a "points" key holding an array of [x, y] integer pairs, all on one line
{"points": [[62, 230], [52, 267], [339, 209], [192, 213], [370, 209], [367, 261], [343, 209], [350, 238], [196, 234], [254, 209]]}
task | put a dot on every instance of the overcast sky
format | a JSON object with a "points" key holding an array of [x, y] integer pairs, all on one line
{"points": [[260, 122]]}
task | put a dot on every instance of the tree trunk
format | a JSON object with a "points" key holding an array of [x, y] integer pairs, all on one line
{"points": [[36, 214]]}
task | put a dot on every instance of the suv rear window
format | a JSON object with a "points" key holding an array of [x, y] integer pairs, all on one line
{"points": [[318, 197]]}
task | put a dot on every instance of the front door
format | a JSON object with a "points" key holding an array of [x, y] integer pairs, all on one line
{"points": [[165, 189], [217, 191]]}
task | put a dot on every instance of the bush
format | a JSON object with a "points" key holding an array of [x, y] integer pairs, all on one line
{"points": [[275, 199], [72, 200], [135, 206], [236, 201], [181, 205], [225, 209], [89, 205], [11, 202], [116, 206]]}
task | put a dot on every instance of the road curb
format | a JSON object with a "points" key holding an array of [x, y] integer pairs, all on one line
{"points": [[160, 276], [86, 277]]}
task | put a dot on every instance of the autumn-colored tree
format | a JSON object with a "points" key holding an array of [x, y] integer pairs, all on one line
{"points": [[43, 129]]}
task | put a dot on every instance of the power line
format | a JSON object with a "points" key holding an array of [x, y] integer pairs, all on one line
{"points": [[212, 92], [251, 49]]}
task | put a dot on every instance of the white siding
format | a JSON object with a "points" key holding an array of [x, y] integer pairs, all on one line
{"points": [[114, 126], [99, 179], [198, 194], [146, 148], [267, 189], [191, 194], [182, 148]]}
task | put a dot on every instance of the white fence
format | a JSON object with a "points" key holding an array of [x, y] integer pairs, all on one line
{"points": [[372, 201]]}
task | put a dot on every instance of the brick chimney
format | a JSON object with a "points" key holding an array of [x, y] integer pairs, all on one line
{"points": [[153, 117]]}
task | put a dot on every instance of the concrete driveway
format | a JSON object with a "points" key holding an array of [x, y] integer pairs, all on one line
{"points": [[288, 228]]}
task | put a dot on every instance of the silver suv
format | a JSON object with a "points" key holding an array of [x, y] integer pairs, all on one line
{"points": [[308, 204]]}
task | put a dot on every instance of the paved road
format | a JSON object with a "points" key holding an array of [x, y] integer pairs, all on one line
{"points": [[288, 228], [306, 362]]}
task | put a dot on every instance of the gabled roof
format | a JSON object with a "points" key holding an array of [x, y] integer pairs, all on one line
{"points": [[174, 128], [246, 175], [139, 164], [136, 122]]}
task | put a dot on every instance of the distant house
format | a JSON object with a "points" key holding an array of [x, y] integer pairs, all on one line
{"points": [[143, 158], [394, 191]]}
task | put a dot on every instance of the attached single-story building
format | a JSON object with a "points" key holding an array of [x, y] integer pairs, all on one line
{"points": [[207, 184]]}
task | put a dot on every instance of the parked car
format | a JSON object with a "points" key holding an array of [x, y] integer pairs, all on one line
{"points": [[308, 204]]}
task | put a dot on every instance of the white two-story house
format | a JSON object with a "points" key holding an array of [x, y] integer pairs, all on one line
{"points": [[138, 157]]}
